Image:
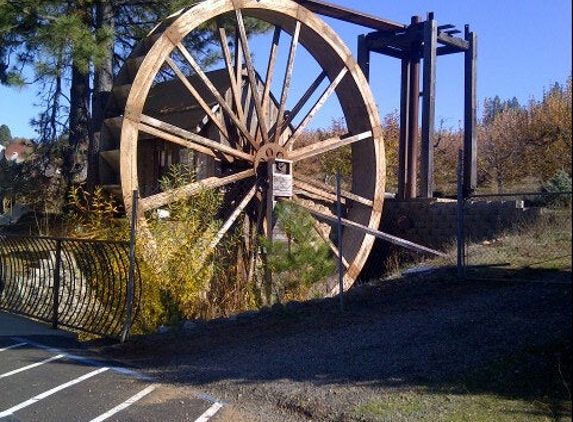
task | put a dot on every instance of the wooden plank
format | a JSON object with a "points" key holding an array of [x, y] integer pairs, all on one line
{"points": [[316, 108], [188, 139], [404, 148], [391, 52], [252, 77], [413, 120], [235, 87], [271, 69], [451, 41], [470, 114], [349, 15], [331, 190], [364, 55], [207, 109], [233, 217], [332, 219], [286, 82], [327, 145], [324, 236], [400, 42], [312, 192], [429, 109], [304, 99], [240, 124], [165, 198]]}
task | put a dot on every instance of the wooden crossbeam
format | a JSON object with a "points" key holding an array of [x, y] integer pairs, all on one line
{"points": [[348, 15]]}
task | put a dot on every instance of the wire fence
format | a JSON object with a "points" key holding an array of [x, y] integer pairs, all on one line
{"points": [[517, 234]]}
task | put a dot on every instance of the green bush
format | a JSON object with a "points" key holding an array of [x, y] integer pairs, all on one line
{"points": [[555, 186], [302, 260]]}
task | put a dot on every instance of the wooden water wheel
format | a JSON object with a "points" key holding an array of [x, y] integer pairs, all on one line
{"points": [[244, 115]]}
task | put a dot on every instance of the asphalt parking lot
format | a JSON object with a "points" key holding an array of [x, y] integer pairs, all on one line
{"points": [[40, 381]]}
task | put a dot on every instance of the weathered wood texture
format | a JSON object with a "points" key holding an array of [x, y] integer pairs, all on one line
{"points": [[231, 120]]}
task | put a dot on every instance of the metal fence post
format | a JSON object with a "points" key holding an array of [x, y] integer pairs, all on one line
{"points": [[130, 291], [460, 218], [339, 236], [56, 292]]}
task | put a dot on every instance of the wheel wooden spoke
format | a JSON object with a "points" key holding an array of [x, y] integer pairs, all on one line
{"points": [[220, 100], [312, 192], [324, 236], [177, 140], [165, 198], [327, 145], [232, 73], [328, 192], [304, 99], [271, 69], [226, 121], [206, 108], [252, 76], [238, 58], [231, 220], [176, 135], [287, 82], [316, 108]]}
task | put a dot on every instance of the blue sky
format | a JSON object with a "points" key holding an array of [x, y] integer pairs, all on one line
{"points": [[523, 47]]}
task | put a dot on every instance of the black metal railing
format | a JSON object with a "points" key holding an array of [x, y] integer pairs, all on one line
{"points": [[88, 285]]}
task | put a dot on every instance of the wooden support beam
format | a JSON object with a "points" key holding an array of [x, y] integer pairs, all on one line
{"points": [[400, 41], [391, 52], [364, 55], [449, 40], [448, 49], [403, 171], [414, 118], [429, 109], [349, 15], [470, 114], [331, 219]]}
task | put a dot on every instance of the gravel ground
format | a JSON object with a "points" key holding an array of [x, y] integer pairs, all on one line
{"points": [[310, 362]]}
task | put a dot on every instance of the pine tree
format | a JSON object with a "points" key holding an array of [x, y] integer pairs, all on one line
{"points": [[81, 42]]}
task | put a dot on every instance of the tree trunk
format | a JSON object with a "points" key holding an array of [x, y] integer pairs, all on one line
{"points": [[103, 83], [74, 163]]}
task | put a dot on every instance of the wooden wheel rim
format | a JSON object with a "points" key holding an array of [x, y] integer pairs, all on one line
{"points": [[332, 55]]}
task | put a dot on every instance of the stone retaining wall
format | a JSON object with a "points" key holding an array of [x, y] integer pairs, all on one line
{"points": [[433, 223]]}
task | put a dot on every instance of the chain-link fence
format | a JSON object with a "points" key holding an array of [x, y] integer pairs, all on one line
{"points": [[517, 235]]}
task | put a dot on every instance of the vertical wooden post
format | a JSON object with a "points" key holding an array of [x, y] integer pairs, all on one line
{"points": [[414, 117], [470, 114], [429, 107], [364, 55], [130, 288], [403, 170]]}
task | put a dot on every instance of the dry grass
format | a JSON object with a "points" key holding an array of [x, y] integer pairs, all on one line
{"points": [[544, 245]]}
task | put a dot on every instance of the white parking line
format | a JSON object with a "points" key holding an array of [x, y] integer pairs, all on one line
{"points": [[125, 404], [12, 346], [34, 365], [86, 361], [48, 393], [210, 412]]}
